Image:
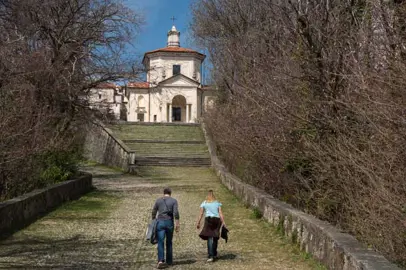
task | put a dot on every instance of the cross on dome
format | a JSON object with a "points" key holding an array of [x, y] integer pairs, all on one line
{"points": [[173, 35]]}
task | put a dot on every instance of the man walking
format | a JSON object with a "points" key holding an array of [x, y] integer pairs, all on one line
{"points": [[168, 214]]}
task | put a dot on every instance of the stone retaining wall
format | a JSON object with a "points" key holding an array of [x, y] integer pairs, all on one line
{"points": [[334, 249], [20, 211], [101, 146]]}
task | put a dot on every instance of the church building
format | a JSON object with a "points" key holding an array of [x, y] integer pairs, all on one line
{"points": [[173, 91]]}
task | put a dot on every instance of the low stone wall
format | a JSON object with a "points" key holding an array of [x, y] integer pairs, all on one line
{"points": [[20, 211], [334, 249], [101, 146]]}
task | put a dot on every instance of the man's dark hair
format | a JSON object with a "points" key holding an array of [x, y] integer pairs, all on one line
{"points": [[167, 191]]}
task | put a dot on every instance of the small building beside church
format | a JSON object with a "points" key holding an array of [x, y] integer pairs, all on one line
{"points": [[109, 99], [173, 91]]}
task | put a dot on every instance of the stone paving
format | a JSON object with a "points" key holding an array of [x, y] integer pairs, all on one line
{"points": [[105, 229]]}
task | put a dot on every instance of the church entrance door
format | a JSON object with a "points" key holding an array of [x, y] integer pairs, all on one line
{"points": [[177, 114], [179, 109]]}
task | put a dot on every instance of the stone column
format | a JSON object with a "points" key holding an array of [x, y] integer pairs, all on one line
{"points": [[187, 113], [170, 113]]}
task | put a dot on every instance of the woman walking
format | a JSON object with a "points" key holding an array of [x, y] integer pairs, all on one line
{"points": [[211, 208]]}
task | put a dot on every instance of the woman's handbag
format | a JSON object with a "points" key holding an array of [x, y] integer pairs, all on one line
{"points": [[224, 233], [151, 232]]}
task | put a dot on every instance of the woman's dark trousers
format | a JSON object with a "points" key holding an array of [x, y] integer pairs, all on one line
{"points": [[212, 244]]}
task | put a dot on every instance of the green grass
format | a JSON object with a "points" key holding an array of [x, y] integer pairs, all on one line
{"points": [[91, 208], [94, 164], [256, 213], [128, 132], [96, 204]]}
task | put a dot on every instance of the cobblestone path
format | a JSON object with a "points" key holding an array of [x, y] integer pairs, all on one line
{"points": [[105, 229]]}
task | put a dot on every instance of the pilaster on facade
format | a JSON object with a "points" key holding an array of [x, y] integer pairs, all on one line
{"points": [[170, 113]]}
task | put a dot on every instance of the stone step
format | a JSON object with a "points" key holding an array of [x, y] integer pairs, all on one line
{"points": [[132, 169], [165, 141], [166, 155], [170, 165], [172, 161], [158, 132], [157, 124], [161, 149], [164, 145]]}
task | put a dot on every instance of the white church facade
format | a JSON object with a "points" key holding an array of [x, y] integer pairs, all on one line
{"points": [[173, 91]]}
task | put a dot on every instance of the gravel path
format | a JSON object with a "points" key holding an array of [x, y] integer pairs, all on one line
{"points": [[105, 229]]}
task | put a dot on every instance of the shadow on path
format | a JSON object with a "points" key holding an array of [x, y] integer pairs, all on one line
{"points": [[70, 253]]}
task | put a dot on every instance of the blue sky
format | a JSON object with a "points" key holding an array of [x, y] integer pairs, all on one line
{"points": [[157, 14]]}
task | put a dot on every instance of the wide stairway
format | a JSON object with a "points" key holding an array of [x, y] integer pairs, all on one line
{"points": [[164, 145]]}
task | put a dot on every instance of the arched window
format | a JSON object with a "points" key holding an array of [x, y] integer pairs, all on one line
{"points": [[141, 102], [140, 108]]}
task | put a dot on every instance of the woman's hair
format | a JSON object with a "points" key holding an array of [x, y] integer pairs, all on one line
{"points": [[210, 196]]}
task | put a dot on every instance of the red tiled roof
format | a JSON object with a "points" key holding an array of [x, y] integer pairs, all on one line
{"points": [[138, 84], [174, 49], [106, 85]]}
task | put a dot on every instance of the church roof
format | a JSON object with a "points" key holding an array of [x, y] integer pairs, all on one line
{"points": [[138, 84], [175, 49], [106, 85]]}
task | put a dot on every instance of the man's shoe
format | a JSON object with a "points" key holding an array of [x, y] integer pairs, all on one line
{"points": [[161, 265], [210, 260]]}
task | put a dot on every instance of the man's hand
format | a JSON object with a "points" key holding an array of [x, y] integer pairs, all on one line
{"points": [[198, 226], [177, 226]]}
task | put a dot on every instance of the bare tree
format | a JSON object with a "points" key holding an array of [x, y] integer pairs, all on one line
{"points": [[312, 106], [52, 53]]}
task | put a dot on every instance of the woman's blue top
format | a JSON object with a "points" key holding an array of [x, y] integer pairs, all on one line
{"points": [[211, 209]]}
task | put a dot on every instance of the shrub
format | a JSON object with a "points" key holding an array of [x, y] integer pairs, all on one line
{"points": [[58, 166]]}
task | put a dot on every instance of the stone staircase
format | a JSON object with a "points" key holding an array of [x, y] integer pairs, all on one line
{"points": [[164, 145]]}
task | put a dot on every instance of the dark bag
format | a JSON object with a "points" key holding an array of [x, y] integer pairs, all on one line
{"points": [[170, 213], [151, 232], [224, 233]]}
